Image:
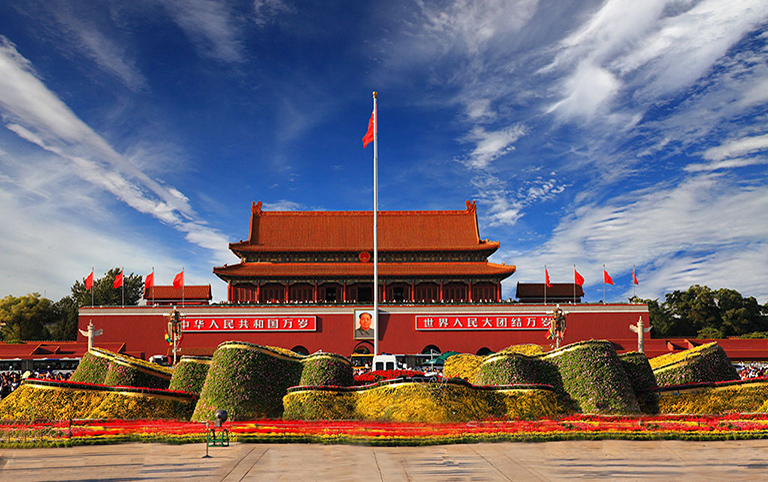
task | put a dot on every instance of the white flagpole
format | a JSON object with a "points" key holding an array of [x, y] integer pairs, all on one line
{"points": [[545, 284], [375, 229], [604, 283], [122, 284]]}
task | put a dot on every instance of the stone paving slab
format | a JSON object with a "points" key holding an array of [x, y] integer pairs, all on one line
{"points": [[546, 461]]}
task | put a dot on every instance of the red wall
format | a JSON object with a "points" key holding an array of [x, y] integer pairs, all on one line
{"points": [[143, 328]]}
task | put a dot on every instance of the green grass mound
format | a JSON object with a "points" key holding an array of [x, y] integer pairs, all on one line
{"points": [[327, 369], [56, 400], [710, 399], [189, 374], [705, 363], [248, 381], [420, 402]]}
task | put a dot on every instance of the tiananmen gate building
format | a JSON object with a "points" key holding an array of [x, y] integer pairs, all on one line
{"points": [[305, 282]]}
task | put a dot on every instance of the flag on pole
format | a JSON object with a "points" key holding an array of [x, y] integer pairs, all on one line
{"points": [[546, 277], [368, 137], [118, 280], [577, 278], [634, 278], [149, 281], [607, 278], [89, 281], [178, 280]]}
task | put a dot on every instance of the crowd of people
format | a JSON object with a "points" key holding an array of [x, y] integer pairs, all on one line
{"points": [[10, 380], [753, 371]]}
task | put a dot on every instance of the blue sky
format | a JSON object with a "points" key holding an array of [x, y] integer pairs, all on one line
{"points": [[614, 132]]}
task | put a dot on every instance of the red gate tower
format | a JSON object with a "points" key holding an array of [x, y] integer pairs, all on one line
{"points": [[321, 257]]}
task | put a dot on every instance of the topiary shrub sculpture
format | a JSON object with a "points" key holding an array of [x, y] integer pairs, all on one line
{"points": [[189, 374], [705, 363], [104, 367]]}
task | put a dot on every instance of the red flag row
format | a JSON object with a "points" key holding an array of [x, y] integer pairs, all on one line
{"points": [[149, 280], [579, 279]]}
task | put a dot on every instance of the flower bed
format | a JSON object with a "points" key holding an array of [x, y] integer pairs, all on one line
{"points": [[575, 427], [58, 400], [705, 363], [189, 374], [448, 401], [375, 376], [747, 396]]}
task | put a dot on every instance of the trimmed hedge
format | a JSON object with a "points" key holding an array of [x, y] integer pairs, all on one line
{"points": [[56, 400], [705, 363], [420, 402], [189, 374]]}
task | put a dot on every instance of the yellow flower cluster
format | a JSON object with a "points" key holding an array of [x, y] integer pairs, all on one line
{"points": [[129, 360], [421, 402], [32, 401], [673, 358], [462, 366], [743, 398], [525, 349]]}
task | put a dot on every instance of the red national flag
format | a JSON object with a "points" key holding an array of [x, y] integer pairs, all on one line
{"points": [[546, 278], [178, 281], [634, 278], [149, 281], [89, 281], [118, 280], [368, 137], [607, 278], [577, 278]]}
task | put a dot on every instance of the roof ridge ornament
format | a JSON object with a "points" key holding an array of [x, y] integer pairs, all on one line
{"points": [[471, 206], [256, 208]]}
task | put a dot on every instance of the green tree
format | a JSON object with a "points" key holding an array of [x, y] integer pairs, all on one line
{"points": [[26, 317], [104, 294], [65, 327], [705, 313]]}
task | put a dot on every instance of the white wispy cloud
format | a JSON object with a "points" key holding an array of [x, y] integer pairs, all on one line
{"points": [[211, 26], [490, 145], [266, 10], [676, 235], [35, 114]]}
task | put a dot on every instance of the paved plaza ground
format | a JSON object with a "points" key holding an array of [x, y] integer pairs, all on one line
{"points": [[591, 460]]}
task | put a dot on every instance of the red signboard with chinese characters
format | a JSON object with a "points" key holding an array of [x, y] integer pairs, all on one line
{"points": [[527, 321], [220, 324]]}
